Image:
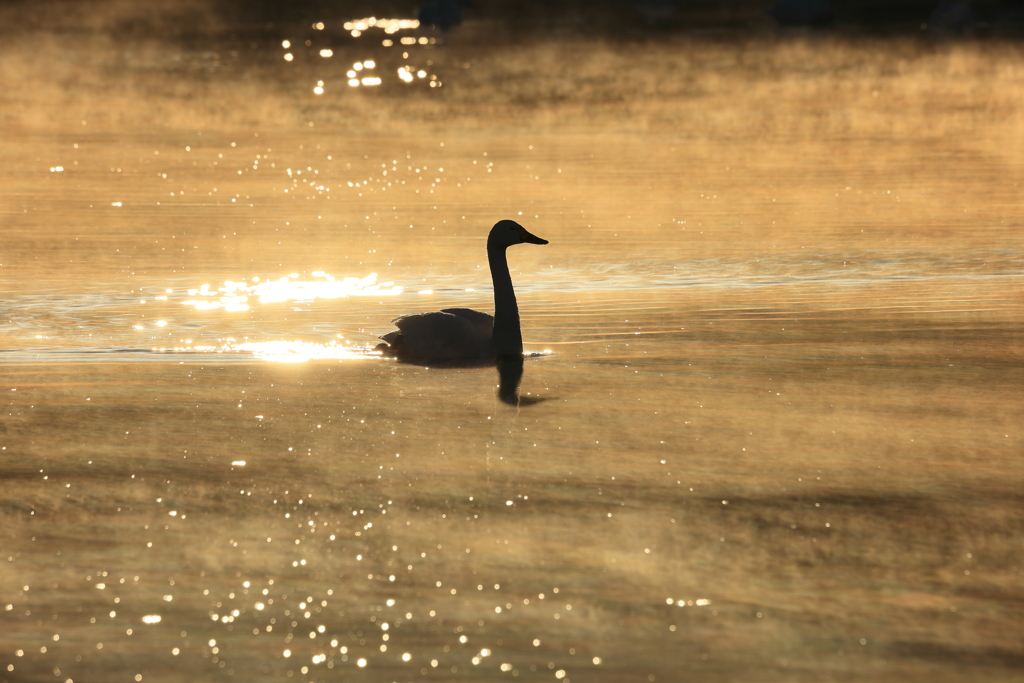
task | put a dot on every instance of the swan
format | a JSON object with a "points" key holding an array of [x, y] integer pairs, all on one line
{"points": [[462, 334]]}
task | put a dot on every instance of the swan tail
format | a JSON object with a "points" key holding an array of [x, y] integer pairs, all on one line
{"points": [[393, 345]]}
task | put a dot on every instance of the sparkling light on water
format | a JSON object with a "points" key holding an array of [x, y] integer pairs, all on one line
{"points": [[235, 296], [389, 26]]}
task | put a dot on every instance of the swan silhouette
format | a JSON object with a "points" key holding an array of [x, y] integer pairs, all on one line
{"points": [[462, 334]]}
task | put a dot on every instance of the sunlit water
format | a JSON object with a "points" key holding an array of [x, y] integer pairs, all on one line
{"points": [[774, 432]]}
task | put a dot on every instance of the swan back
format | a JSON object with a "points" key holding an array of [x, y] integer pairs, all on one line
{"points": [[446, 335], [483, 322]]}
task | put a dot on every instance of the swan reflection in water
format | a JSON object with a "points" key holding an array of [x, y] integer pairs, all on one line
{"points": [[510, 373], [458, 336]]}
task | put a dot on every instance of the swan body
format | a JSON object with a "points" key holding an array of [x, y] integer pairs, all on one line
{"points": [[462, 334]]}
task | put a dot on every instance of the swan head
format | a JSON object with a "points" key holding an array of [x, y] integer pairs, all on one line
{"points": [[506, 233]]}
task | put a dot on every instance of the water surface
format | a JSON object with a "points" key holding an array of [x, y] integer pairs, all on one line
{"points": [[775, 434]]}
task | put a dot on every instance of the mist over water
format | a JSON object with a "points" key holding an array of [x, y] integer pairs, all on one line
{"points": [[767, 428]]}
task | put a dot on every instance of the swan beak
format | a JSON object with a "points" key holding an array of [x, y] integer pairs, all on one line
{"points": [[529, 238]]}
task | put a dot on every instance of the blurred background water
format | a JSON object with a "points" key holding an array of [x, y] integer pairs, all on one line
{"points": [[773, 432]]}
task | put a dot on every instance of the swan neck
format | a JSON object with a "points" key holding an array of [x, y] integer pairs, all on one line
{"points": [[507, 337]]}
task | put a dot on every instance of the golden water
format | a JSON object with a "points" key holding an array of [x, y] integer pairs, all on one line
{"points": [[778, 435]]}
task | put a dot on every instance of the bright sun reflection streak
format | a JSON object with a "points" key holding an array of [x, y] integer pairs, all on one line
{"points": [[234, 296], [280, 352], [389, 25], [300, 351]]}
